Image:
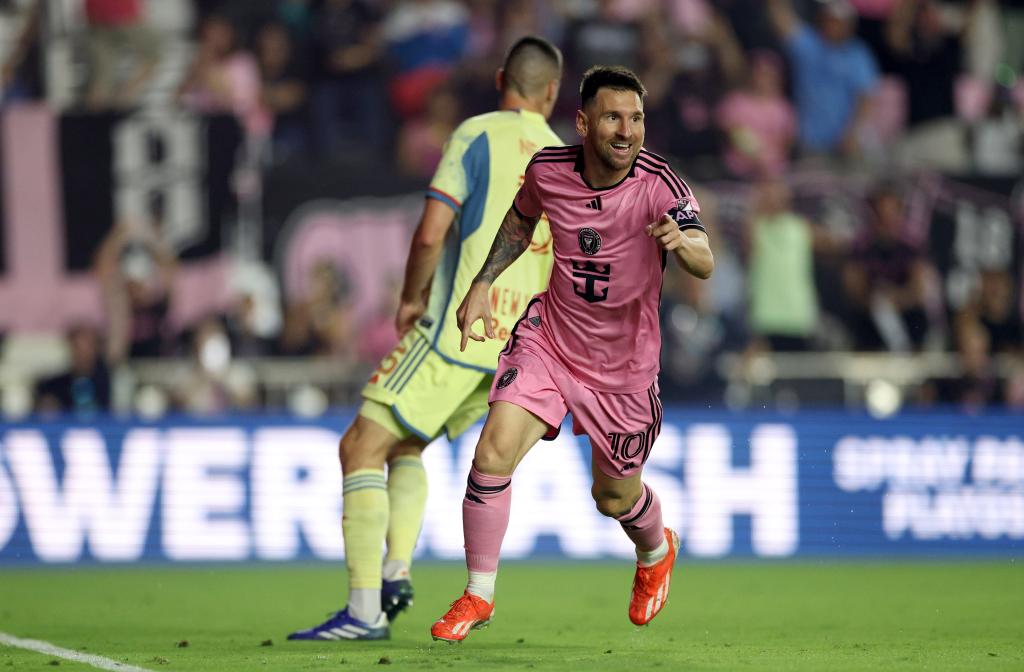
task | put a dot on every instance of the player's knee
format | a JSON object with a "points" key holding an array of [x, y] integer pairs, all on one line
{"points": [[356, 451], [611, 504], [492, 457], [404, 450], [347, 449]]}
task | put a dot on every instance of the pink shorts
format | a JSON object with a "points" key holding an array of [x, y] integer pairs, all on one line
{"points": [[621, 427]]}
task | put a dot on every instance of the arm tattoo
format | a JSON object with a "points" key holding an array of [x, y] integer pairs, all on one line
{"points": [[513, 238]]}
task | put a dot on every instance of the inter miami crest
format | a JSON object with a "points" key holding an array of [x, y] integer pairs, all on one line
{"points": [[507, 377], [590, 241]]}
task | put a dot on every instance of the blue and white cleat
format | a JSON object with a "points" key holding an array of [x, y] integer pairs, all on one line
{"points": [[343, 626], [395, 597]]}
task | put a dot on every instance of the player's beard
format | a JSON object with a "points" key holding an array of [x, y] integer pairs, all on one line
{"points": [[613, 161]]}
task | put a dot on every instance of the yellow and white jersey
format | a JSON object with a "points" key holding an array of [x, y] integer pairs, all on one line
{"points": [[479, 174]]}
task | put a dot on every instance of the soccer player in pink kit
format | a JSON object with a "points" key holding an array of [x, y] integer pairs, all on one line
{"points": [[590, 344]]}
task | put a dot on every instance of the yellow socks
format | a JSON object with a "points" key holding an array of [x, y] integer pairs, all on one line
{"points": [[407, 493], [375, 508], [364, 523]]}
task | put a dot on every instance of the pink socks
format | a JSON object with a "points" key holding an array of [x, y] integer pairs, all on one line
{"points": [[488, 503], [485, 513], [643, 523]]}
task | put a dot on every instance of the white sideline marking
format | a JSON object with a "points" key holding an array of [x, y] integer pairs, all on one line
{"points": [[77, 656]]}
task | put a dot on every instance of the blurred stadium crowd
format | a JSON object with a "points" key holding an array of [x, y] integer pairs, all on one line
{"points": [[762, 105]]}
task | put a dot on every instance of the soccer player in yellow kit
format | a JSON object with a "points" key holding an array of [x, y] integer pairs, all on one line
{"points": [[427, 384]]}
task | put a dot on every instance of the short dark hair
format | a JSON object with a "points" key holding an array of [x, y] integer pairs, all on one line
{"points": [[530, 64], [609, 77]]}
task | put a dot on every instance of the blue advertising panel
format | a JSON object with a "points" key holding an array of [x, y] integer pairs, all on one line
{"points": [[245, 488]]}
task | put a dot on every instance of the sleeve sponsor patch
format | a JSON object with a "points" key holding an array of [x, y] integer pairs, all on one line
{"points": [[685, 214]]}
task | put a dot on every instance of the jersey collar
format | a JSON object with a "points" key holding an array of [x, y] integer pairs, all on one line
{"points": [[578, 167], [530, 115]]}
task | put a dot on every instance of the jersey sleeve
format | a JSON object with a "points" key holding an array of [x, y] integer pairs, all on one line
{"points": [[671, 196], [452, 182], [527, 202]]}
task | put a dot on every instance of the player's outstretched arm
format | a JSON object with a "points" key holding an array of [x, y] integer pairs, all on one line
{"points": [[690, 247], [424, 254], [514, 236]]}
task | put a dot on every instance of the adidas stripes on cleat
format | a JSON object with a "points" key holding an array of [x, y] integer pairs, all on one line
{"points": [[343, 626]]}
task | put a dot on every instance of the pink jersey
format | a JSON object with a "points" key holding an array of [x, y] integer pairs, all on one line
{"points": [[600, 312]]}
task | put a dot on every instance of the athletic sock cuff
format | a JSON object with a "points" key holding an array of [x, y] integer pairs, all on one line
{"points": [[643, 504], [484, 485], [406, 461], [362, 479]]}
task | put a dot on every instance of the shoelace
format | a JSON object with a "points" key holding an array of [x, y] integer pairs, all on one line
{"points": [[333, 617], [461, 607], [642, 579]]}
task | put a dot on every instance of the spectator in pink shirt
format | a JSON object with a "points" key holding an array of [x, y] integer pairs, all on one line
{"points": [[225, 79], [759, 121]]}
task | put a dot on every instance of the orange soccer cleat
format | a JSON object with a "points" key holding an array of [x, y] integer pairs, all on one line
{"points": [[650, 584], [469, 612]]}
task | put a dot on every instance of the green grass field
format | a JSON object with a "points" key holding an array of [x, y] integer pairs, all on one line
{"points": [[809, 616]]}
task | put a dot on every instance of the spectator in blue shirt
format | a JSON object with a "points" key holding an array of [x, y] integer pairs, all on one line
{"points": [[834, 75], [425, 39]]}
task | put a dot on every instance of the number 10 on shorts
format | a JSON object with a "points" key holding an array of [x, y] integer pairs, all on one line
{"points": [[629, 446]]}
